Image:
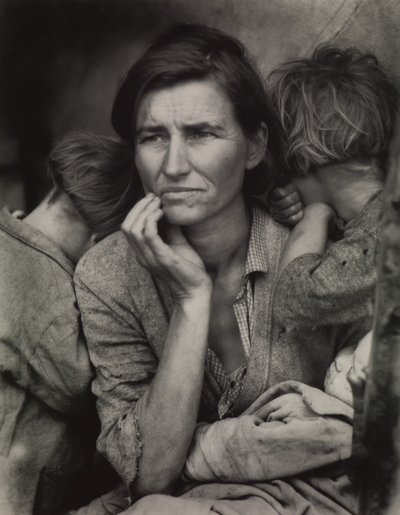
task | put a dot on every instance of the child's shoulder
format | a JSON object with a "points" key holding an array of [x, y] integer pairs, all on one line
{"points": [[370, 218]]}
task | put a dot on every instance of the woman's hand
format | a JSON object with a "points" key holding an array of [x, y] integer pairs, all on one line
{"points": [[285, 205], [175, 261]]}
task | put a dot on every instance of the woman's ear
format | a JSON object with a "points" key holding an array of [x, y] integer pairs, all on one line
{"points": [[257, 147]]}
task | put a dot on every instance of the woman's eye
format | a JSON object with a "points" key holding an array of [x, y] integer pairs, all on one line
{"points": [[202, 135], [152, 138]]}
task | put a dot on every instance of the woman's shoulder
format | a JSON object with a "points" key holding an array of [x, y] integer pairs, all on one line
{"points": [[266, 224], [109, 262]]}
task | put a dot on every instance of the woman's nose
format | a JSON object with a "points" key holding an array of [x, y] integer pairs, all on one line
{"points": [[176, 160]]}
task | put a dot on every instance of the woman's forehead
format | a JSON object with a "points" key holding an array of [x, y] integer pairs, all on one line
{"points": [[185, 103]]}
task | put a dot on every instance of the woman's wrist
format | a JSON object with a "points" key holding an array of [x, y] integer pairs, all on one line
{"points": [[197, 297]]}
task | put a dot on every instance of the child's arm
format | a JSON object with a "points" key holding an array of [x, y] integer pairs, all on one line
{"points": [[310, 235], [337, 287]]}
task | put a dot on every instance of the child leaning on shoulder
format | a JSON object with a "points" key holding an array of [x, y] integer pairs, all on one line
{"points": [[337, 110]]}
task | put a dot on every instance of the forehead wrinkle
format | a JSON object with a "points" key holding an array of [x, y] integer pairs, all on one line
{"points": [[179, 108]]}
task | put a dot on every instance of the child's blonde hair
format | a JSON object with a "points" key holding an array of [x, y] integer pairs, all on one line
{"points": [[336, 106]]}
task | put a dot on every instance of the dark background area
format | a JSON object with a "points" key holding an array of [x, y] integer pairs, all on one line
{"points": [[61, 60]]}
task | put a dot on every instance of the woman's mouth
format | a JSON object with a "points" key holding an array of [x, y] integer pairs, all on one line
{"points": [[178, 193]]}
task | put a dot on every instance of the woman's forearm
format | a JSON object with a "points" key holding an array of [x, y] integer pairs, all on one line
{"points": [[247, 448], [168, 410]]}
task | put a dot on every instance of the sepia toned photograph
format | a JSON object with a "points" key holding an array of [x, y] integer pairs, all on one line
{"points": [[199, 257]]}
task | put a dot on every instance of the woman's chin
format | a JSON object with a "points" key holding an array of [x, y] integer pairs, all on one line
{"points": [[182, 216]]}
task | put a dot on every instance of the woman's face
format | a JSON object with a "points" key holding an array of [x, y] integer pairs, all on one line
{"points": [[191, 151]]}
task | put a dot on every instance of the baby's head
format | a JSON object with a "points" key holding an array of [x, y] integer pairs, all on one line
{"points": [[336, 106], [354, 359]]}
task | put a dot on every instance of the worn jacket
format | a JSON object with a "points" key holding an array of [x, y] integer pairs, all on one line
{"points": [[339, 286], [126, 312], [45, 375]]}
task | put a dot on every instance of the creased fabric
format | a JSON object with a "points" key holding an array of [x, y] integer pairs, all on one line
{"points": [[247, 448], [248, 466], [336, 288], [126, 312], [47, 417]]}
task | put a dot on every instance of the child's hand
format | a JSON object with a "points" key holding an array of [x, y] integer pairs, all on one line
{"points": [[285, 205], [287, 405]]}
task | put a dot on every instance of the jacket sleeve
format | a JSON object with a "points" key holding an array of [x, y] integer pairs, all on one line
{"points": [[59, 371], [247, 448], [124, 365], [335, 288]]}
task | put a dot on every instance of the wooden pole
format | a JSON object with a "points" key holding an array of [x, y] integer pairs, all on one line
{"points": [[377, 425]]}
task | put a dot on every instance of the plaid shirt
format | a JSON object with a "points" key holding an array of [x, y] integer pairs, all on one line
{"points": [[231, 384]]}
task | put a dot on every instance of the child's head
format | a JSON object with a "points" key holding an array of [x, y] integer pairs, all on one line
{"points": [[350, 359], [95, 173], [336, 106]]}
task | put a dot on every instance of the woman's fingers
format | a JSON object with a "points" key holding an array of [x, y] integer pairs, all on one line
{"points": [[150, 223], [136, 211], [174, 260], [138, 226], [160, 251], [133, 224], [145, 213], [267, 409], [279, 414]]}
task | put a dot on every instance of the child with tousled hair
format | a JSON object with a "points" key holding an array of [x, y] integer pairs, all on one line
{"points": [[48, 441], [337, 110]]}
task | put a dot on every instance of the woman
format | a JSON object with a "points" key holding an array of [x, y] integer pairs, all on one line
{"points": [[177, 310]]}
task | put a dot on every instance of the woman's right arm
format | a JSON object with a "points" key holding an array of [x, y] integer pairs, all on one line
{"points": [[163, 407], [167, 411]]}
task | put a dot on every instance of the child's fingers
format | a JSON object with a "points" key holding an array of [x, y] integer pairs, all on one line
{"points": [[283, 191], [290, 211], [289, 217], [292, 199]]}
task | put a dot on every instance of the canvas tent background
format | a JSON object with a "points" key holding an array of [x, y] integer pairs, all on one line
{"points": [[61, 60]]}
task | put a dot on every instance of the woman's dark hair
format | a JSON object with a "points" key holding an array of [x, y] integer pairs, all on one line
{"points": [[197, 52], [335, 106], [96, 174]]}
